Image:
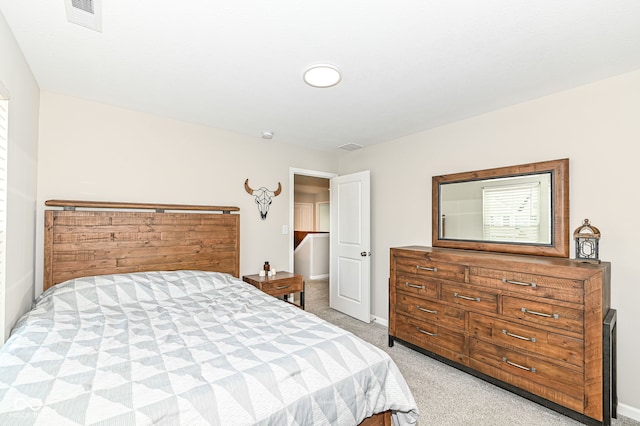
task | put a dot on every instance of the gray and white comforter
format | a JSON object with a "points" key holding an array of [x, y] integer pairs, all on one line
{"points": [[189, 348]]}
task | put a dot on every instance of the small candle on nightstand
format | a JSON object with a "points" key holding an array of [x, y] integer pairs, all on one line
{"points": [[262, 273]]}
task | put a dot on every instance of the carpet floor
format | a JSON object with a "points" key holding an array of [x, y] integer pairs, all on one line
{"points": [[445, 395]]}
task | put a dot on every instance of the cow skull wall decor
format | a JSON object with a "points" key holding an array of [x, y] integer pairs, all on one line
{"points": [[263, 197]]}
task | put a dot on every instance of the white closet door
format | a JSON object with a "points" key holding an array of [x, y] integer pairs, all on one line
{"points": [[303, 216]]}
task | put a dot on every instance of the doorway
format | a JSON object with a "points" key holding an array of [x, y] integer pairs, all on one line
{"points": [[309, 224]]}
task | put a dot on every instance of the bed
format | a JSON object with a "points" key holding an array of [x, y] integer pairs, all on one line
{"points": [[144, 321]]}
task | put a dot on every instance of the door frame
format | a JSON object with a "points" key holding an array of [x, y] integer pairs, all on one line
{"points": [[303, 172]]}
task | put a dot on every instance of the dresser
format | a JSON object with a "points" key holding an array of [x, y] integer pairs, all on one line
{"points": [[540, 327]]}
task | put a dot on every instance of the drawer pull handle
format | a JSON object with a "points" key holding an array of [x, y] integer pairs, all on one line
{"points": [[283, 287], [522, 367], [460, 296], [540, 314], [426, 332], [424, 268], [504, 280], [415, 286], [529, 339], [429, 311]]}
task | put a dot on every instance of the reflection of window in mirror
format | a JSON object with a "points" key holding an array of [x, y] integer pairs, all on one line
{"points": [[511, 213], [516, 209]]}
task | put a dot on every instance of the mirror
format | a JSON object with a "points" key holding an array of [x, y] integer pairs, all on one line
{"points": [[518, 209]]}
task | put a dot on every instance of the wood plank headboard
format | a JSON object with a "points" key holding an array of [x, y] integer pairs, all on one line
{"points": [[115, 238]]}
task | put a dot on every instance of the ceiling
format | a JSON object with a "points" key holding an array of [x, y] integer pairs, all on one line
{"points": [[310, 184], [407, 65]]}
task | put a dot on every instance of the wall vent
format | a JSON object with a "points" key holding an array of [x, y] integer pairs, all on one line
{"points": [[86, 5], [87, 13], [350, 146]]}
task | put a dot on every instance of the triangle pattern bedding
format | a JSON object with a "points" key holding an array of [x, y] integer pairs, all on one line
{"points": [[188, 347]]}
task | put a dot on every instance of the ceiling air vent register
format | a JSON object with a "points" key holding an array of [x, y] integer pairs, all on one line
{"points": [[350, 146], [87, 13], [86, 5]]}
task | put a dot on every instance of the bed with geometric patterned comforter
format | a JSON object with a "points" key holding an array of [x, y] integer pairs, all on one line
{"points": [[190, 348]]}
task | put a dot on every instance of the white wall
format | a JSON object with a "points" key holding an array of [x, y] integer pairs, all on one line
{"points": [[22, 153], [311, 257], [91, 151], [596, 126]]}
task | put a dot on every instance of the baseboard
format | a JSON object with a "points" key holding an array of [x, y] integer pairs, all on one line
{"points": [[629, 412], [380, 321], [318, 277]]}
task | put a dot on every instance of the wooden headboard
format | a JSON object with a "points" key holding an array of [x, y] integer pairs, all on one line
{"points": [[112, 238]]}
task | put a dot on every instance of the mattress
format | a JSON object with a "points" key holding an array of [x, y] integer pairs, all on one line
{"points": [[188, 347]]}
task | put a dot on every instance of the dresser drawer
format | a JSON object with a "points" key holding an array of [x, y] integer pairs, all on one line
{"points": [[429, 335], [418, 285], [431, 311], [281, 287], [548, 314], [504, 333], [469, 298], [543, 378], [564, 289], [430, 269]]}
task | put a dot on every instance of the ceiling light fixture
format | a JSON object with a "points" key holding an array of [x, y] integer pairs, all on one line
{"points": [[322, 75], [267, 135]]}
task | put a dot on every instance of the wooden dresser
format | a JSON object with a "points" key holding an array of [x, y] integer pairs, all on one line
{"points": [[540, 327]]}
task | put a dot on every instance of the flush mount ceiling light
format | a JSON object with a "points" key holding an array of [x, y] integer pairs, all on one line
{"points": [[322, 75]]}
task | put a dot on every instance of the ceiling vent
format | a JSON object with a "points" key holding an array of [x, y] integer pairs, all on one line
{"points": [[87, 13], [86, 5], [350, 146]]}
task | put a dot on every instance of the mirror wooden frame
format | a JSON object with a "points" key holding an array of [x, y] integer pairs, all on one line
{"points": [[559, 246]]}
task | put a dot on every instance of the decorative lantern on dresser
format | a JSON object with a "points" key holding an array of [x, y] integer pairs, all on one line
{"points": [[524, 317], [587, 237]]}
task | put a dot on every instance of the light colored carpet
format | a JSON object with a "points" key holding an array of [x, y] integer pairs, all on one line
{"points": [[445, 395]]}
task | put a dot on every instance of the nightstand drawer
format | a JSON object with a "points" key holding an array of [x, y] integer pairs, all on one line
{"points": [[282, 286]]}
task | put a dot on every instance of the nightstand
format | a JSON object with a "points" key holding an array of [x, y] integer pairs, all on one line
{"points": [[280, 285]]}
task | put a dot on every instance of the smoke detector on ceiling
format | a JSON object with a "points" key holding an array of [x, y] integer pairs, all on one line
{"points": [[87, 13]]}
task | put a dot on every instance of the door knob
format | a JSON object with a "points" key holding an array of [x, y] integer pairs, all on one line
{"points": [[365, 254]]}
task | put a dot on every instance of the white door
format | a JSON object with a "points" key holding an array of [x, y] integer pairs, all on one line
{"points": [[350, 266], [303, 217]]}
